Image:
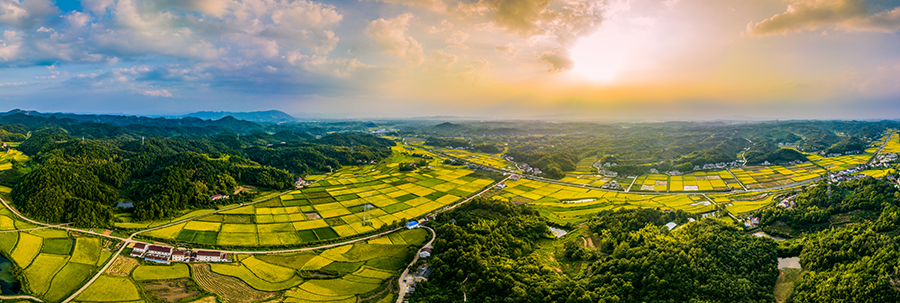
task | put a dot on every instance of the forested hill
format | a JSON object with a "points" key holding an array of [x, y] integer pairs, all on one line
{"points": [[80, 180], [490, 254]]}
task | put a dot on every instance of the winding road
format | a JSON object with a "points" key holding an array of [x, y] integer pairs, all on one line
{"points": [[406, 276]]}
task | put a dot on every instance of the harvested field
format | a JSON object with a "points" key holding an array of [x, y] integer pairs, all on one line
{"points": [[122, 266], [230, 289], [170, 291]]}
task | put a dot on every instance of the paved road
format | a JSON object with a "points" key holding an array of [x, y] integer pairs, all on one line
{"points": [[875, 156], [20, 298], [404, 287]]}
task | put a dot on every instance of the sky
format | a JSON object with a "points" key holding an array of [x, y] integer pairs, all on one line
{"points": [[647, 60]]}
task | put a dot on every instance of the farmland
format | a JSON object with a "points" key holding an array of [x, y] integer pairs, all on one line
{"points": [[330, 209], [776, 175], [52, 266], [563, 204], [340, 274]]}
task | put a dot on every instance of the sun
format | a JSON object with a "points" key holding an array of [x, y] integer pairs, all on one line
{"points": [[604, 56]]}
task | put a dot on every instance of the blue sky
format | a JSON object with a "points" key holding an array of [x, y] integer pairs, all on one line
{"points": [[566, 59]]}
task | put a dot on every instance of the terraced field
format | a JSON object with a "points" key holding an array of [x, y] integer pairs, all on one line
{"points": [[330, 209]]}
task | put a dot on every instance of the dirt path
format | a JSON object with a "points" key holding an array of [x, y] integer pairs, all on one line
{"points": [[405, 275], [588, 242], [4, 298]]}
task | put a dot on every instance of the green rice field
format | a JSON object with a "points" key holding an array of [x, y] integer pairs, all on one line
{"points": [[776, 175], [329, 209]]}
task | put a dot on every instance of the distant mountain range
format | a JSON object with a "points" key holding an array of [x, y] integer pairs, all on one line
{"points": [[36, 119], [269, 116]]}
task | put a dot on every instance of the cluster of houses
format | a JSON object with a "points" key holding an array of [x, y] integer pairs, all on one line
{"points": [[849, 152], [848, 174], [300, 183], [166, 254], [500, 185], [884, 159], [609, 173], [217, 197], [528, 169], [787, 204], [751, 222], [612, 185], [719, 165]]}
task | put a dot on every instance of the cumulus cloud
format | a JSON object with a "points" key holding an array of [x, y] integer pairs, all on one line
{"points": [[457, 40], [445, 26], [156, 93], [809, 15], [560, 21], [27, 13], [433, 5], [507, 50], [529, 18], [10, 45], [390, 36], [558, 59], [442, 60]]}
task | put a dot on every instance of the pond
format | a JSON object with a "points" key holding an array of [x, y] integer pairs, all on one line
{"points": [[558, 232], [8, 284]]}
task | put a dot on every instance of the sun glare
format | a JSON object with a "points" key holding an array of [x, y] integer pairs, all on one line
{"points": [[603, 56]]}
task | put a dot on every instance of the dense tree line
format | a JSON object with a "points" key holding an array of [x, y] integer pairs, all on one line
{"points": [[779, 156], [856, 262], [489, 253], [816, 206], [847, 144]]}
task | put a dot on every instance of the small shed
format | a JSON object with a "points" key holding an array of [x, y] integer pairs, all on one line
{"points": [[412, 224]]}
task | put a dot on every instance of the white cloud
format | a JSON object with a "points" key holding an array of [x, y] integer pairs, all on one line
{"points": [[156, 93], [558, 59], [457, 39], [390, 36], [507, 50], [442, 60], [433, 5], [10, 45], [25, 14], [810, 15]]}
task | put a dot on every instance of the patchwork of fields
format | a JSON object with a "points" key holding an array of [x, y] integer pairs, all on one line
{"points": [[330, 209], [345, 273], [491, 160], [741, 203], [54, 263], [568, 204], [776, 175]]}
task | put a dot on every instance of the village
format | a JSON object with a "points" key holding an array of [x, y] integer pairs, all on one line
{"points": [[167, 254]]}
